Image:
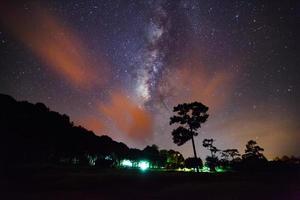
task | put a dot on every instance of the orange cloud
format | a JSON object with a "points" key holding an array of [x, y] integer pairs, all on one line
{"points": [[94, 124], [128, 117], [53, 43], [189, 81]]}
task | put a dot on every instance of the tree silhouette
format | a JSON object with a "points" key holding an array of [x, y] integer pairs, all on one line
{"points": [[189, 116], [193, 163], [253, 159], [253, 151], [211, 161], [174, 159], [208, 143], [33, 134], [230, 157], [151, 153], [230, 154]]}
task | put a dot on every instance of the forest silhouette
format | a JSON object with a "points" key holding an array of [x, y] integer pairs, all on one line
{"points": [[32, 134]]}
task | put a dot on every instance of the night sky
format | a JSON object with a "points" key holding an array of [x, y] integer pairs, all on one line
{"points": [[119, 67]]}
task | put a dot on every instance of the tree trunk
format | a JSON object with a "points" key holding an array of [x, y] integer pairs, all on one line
{"points": [[195, 154]]}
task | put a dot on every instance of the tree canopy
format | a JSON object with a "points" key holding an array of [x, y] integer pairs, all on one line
{"points": [[189, 117], [253, 151]]}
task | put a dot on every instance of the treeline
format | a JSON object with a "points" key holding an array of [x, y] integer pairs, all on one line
{"points": [[32, 134], [252, 159], [189, 117]]}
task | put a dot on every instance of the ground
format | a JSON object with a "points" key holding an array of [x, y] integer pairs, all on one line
{"points": [[93, 184]]}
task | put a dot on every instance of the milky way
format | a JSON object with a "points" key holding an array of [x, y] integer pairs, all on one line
{"points": [[151, 59], [118, 67]]}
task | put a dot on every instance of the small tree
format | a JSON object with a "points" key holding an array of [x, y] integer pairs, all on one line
{"points": [[163, 158], [212, 161], [189, 116], [193, 163], [253, 159], [151, 153], [208, 143], [230, 157], [174, 159], [230, 154], [253, 151]]}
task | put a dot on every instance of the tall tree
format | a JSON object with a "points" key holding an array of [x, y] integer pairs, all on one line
{"points": [[189, 116]]}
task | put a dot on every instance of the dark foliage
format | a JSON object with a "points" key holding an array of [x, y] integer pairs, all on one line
{"points": [[253, 159], [193, 163], [208, 143], [174, 159], [253, 151], [151, 153], [211, 161], [229, 158], [189, 117], [31, 133], [230, 154]]}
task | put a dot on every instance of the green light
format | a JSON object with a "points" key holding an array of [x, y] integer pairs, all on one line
{"points": [[126, 163], [205, 169], [219, 169], [143, 165]]}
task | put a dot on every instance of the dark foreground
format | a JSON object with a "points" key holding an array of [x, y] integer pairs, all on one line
{"points": [[129, 184]]}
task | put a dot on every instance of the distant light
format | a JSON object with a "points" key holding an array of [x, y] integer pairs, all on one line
{"points": [[126, 163], [205, 169], [185, 169], [108, 158], [219, 169], [143, 165]]}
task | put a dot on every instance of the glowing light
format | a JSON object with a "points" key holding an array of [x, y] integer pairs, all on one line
{"points": [[220, 169], [143, 165], [205, 169], [185, 169], [126, 163], [108, 158]]}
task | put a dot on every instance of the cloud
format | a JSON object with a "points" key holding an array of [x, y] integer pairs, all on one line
{"points": [[191, 81], [54, 43], [128, 117], [93, 123]]}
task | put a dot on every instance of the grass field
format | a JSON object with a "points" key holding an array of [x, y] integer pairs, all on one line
{"points": [[135, 184]]}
